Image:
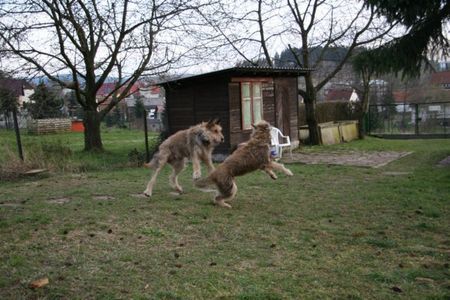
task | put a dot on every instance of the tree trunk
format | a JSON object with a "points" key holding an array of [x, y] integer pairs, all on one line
{"points": [[92, 137], [366, 75], [310, 110], [364, 110]]}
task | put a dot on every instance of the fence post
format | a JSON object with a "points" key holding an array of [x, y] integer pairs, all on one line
{"points": [[417, 119], [16, 129], [147, 152]]}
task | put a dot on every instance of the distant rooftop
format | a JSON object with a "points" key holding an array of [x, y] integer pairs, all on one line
{"points": [[440, 77], [16, 86]]}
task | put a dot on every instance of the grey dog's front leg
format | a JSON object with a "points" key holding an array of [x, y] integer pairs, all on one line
{"points": [[197, 171]]}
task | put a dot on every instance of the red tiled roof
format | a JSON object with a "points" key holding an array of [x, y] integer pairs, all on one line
{"points": [[155, 89], [107, 88], [338, 95], [440, 77], [400, 96]]}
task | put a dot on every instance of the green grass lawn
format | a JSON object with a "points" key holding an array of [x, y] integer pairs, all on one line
{"points": [[327, 232]]}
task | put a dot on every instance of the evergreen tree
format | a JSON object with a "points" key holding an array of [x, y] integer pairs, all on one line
{"points": [[424, 21], [44, 104], [139, 109]]}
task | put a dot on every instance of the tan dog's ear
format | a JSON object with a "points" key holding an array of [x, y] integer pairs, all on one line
{"points": [[216, 121]]}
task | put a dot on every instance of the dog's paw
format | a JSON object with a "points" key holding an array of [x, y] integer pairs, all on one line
{"points": [[196, 175], [226, 205], [273, 176], [289, 172], [222, 204], [147, 194]]}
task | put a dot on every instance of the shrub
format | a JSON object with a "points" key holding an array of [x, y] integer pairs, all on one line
{"points": [[136, 158]]}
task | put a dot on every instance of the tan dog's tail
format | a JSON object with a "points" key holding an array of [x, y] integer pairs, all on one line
{"points": [[154, 162], [203, 183]]}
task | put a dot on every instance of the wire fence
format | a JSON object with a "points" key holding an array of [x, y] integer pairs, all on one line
{"points": [[414, 119]]}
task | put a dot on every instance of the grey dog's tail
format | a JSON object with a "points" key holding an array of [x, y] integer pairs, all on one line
{"points": [[154, 162]]}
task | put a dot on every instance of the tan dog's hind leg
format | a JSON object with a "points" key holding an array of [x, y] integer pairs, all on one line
{"points": [[177, 168], [220, 199], [148, 191]]}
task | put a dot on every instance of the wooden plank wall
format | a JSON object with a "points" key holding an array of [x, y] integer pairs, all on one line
{"points": [[200, 100], [286, 99], [196, 101]]}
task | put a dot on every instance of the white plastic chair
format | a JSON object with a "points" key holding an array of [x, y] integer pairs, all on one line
{"points": [[276, 135]]}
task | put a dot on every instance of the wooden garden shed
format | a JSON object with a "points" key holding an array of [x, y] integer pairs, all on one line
{"points": [[239, 96]]}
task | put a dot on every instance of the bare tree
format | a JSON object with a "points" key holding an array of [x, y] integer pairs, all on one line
{"points": [[361, 28], [243, 26], [306, 28], [366, 73], [93, 40]]}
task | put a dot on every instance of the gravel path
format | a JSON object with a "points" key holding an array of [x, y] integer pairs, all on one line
{"points": [[353, 158]]}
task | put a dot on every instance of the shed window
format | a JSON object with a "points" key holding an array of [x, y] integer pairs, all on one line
{"points": [[252, 106]]}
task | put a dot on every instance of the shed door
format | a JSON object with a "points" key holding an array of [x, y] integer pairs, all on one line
{"points": [[282, 108]]}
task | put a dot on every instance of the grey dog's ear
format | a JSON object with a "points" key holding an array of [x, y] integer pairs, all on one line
{"points": [[212, 122]]}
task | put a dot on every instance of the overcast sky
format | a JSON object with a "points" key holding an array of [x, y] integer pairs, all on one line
{"points": [[279, 27]]}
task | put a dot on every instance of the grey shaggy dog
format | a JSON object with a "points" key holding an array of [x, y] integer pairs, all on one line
{"points": [[250, 156], [196, 143]]}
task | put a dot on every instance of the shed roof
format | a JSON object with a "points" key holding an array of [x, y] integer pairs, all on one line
{"points": [[243, 71]]}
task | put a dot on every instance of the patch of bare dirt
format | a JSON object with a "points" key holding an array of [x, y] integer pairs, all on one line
{"points": [[445, 162], [396, 173], [59, 200], [10, 204], [375, 159], [103, 197], [138, 196]]}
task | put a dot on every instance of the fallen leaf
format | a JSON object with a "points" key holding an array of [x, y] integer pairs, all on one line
{"points": [[39, 283]]}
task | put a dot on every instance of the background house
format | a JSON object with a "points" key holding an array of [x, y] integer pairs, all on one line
{"points": [[153, 99], [239, 96], [22, 90], [342, 94]]}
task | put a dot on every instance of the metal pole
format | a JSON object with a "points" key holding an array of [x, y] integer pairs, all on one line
{"points": [[147, 152], [16, 129], [417, 119]]}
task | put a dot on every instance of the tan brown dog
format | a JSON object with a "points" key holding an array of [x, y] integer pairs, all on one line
{"points": [[250, 156], [196, 143]]}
